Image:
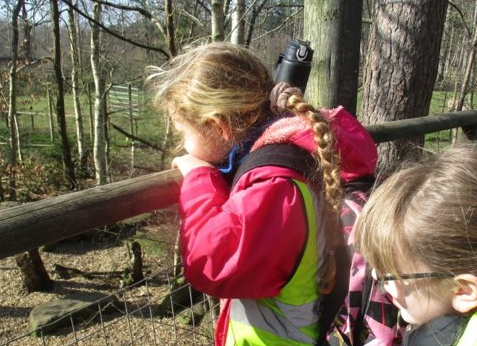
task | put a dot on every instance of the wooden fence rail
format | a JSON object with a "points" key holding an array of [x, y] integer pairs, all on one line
{"points": [[34, 224]]}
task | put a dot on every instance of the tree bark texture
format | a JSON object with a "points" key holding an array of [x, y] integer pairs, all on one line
{"points": [[170, 32], [238, 23], [217, 19], [468, 75], [75, 73], [99, 152], [137, 274], [34, 275], [334, 30], [401, 69]]}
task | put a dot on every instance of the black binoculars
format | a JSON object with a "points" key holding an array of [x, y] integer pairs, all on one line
{"points": [[294, 64]]}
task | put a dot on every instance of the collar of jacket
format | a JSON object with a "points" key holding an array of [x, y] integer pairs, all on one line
{"points": [[242, 149], [443, 331]]}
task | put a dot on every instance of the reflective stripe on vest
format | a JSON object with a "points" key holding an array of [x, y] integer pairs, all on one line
{"points": [[291, 318], [469, 338]]}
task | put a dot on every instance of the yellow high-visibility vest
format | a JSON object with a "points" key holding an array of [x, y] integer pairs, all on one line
{"points": [[291, 318]]}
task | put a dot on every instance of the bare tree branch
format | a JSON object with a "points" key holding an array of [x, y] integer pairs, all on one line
{"points": [[34, 62], [118, 36], [140, 10], [461, 15], [256, 11], [281, 25], [204, 6], [143, 141], [191, 17]]}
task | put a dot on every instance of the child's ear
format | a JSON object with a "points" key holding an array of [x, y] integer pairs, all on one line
{"points": [[223, 127], [465, 294]]}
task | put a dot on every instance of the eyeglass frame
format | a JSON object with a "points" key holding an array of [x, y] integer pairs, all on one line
{"points": [[390, 277]]}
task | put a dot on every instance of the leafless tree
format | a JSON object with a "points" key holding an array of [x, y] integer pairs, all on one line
{"points": [[60, 101], [75, 80], [12, 107]]}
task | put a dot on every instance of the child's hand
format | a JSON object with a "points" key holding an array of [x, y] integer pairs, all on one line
{"points": [[188, 162]]}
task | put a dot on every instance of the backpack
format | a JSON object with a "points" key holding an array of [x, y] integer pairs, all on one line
{"points": [[354, 313], [366, 316]]}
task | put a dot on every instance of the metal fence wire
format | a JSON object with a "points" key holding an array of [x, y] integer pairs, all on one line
{"points": [[154, 311]]}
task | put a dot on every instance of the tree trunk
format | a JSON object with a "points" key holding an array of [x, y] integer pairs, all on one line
{"points": [[468, 75], [137, 274], [335, 39], [401, 70], [217, 20], [447, 52], [99, 115], [60, 101], [75, 73], [12, 109], [251, 21], [131, 129], [34, 275], [238, 23], [170, 32]]}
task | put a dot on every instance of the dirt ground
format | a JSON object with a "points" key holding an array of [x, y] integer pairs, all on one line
{"points": [[100, 260]]}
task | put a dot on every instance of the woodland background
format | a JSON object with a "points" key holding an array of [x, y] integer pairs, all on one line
{"points": [[383, 60], [74, 113]]}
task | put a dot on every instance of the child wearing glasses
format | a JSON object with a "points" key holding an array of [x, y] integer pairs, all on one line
{"points": [[419, 233]]}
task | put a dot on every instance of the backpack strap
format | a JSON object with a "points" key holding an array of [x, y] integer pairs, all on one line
{"points": [[333, 301], [300, 160], [281, 155]]}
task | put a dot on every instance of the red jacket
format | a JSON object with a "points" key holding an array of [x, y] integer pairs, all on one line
{"points": [[245, 243]]}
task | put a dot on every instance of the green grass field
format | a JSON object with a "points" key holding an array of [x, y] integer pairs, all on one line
{"points": [[39, 150]]}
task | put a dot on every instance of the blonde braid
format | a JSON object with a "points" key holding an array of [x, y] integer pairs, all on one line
{"points": [[330, 169], [325, 151]]}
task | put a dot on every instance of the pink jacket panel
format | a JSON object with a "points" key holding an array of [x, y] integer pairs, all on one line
{"points": [[244, 245]]}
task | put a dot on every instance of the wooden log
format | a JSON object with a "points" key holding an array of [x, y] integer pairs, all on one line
{"points": [[31, 225], [408, 128]]}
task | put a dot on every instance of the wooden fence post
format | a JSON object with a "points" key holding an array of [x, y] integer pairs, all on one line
{"points": [[50, 111]]}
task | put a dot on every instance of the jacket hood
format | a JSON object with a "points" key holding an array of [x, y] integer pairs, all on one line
{"points": [[356, 148]]}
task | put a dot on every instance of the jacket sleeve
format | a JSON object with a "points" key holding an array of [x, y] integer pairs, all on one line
{"points": [[242, 245]]}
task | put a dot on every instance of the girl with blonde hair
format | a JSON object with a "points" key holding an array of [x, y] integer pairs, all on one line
{"points": [[419, 232], [264, 243]]}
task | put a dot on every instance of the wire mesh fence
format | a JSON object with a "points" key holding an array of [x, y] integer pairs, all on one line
{"points": [[157, 310]]}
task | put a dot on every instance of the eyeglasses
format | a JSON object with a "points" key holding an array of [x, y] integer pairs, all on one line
{"points": [[389, 277], [393, 284]]}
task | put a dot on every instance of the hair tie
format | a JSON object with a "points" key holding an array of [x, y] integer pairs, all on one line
{"points": [[280, 95]]}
